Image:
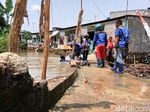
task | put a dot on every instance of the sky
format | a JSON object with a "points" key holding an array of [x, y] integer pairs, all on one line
{"points": [[64, 13]]}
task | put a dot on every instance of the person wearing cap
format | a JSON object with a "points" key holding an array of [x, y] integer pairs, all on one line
{"points": [[100, 43], [85, 46]]}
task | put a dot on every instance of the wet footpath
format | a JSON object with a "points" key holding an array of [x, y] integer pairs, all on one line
{"points": [[101, 90]]}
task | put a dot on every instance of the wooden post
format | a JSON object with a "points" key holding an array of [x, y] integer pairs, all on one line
{"points": [[134, 59], [46, 37], [18, 15], [78, 29], [41, 18]]}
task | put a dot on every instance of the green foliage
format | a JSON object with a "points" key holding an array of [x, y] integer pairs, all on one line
{"points": [[8, 6], [26, 35], [4, 39], [2, 9], [6, 10], [23, 45], [4, 31], [3, 43], [2, 22]]}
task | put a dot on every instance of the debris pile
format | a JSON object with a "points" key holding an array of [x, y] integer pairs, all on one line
{"points": [[139, 70], [17, 91]]}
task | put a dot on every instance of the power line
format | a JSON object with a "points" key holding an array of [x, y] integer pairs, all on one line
{"points": [[98, 8]]}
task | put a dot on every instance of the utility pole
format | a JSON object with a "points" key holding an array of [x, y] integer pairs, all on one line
{"points": [[46, 37], [81, 4], [127, 7], [126, 23]]}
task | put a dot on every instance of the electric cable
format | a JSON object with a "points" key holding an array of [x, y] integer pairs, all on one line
{"points": [[98, 8]]}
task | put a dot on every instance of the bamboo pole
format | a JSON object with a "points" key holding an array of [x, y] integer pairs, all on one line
{"points": [[18, 15], [46, 37], [78, 29]]}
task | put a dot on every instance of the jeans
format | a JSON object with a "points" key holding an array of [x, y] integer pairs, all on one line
{"points": [[118, 62]]}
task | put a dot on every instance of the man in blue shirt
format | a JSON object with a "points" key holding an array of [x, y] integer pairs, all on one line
{"points": [[100, 41], [119, 46]]}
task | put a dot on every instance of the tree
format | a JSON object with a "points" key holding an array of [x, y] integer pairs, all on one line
{"points": [[26, 35], [6, 10], [2, 22], [17, 21], [3, 43], [3, 26]]}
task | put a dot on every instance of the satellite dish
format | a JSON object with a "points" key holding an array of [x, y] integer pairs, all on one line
{"points": [[54, 33]]}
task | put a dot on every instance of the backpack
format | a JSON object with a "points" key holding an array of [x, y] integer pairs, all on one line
{"points": [[125, 32]]}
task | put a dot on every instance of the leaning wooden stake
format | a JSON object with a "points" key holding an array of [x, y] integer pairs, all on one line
{"points": [[18, 15], [78, 29], [46, 37], [41, 30]]}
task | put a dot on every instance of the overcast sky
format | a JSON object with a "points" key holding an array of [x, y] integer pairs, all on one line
{"points": [[64, 13]]}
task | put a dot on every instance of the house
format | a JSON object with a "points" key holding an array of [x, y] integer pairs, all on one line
{"points": [[139, 41]]}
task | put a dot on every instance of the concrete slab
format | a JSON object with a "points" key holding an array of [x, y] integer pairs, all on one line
{"points": [[58, 86]]}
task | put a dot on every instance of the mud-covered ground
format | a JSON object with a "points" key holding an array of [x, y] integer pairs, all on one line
{"points": [[139, 70], [105, 92]]}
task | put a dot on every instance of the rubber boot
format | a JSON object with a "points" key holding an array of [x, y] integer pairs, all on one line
{"points": [[98, 63], [121, 69], [114, 69], [103, 62]]}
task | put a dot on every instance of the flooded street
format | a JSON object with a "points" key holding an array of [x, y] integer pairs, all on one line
{"points": [[34, 60]]}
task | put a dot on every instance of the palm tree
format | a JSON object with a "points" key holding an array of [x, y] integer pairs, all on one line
{"points": [[6, 10]]}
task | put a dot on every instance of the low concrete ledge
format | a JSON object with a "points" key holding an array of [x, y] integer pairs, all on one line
{"points": [[58, 86]]}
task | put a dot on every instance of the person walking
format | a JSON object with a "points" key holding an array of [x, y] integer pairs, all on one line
{"points": [[121, 39], [100, 43], [110, 47], [86, 46]]}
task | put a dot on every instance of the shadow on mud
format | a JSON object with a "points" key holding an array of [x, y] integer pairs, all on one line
{"points": [[103, 104]]}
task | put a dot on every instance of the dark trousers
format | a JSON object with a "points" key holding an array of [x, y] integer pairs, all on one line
{"points": [[85, 54], [110, 57]]}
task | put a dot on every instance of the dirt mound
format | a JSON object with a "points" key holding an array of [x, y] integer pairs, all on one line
{"points": [[139, 70]]}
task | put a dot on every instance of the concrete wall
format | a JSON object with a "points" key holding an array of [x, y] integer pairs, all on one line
{"points": [[115, 14], [139, 41]]}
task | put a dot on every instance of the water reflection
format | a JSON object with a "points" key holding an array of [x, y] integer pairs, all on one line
{"points": [[34, 60]]}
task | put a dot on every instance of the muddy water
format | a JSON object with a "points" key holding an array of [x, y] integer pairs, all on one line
{"points": [[34, 60]]}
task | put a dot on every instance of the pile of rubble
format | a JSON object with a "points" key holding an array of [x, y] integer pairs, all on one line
{"points": [[18, 93], [139, 70]]}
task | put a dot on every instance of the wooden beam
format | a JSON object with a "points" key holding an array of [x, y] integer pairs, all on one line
{"points": [[46, 37]]}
